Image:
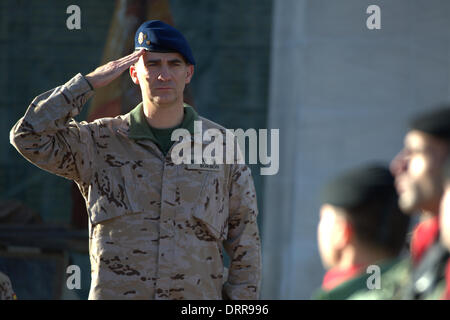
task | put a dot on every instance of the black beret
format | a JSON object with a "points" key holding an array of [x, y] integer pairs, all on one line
{"points": [[435, 122], [157, 36], [358, 186]]}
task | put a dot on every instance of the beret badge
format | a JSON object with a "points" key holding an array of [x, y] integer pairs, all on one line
{"points": [[141, 37]]}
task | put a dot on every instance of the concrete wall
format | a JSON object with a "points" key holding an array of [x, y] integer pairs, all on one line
{"points": [[340, 94]]}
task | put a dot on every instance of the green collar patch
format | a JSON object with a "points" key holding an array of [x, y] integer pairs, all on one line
{"points": [[140, 129], [349, 287]]}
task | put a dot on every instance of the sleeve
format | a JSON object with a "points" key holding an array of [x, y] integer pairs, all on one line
{"points": [[243, 243], [49, 137]]}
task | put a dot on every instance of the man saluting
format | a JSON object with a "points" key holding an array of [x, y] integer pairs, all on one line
{"points": [[156, 229]]}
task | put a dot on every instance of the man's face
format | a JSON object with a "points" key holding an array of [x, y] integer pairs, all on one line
{"points": [[162, 77], [332, 235], [445, 217], [417, 170]]}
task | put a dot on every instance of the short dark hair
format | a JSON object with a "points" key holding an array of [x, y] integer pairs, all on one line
{"points": [[380, 223], [435, 122]]}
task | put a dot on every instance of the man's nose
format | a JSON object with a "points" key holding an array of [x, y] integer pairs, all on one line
{"points": [[164, 74], [399, 163]]}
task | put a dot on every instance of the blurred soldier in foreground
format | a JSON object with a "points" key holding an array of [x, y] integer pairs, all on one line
{"points": [[418, 170], [157, 229], [361, 229]]}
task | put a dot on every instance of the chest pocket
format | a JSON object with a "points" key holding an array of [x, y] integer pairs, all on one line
{"points": [[108, 196], [211, 206], [118, 221]]}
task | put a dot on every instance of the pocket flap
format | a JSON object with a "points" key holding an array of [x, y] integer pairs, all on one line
{"points": [[213, 213], [104, 209], [108, 196]]}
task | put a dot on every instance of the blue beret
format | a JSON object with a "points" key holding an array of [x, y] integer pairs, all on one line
{"points": [[157, 36]]}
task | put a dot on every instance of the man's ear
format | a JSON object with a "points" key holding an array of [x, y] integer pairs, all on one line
{"points": [[343, 234], [189, 73], [133, 74], [348, 232]]}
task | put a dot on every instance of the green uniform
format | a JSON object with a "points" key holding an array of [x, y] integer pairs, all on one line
{"points": [[161, 137], [394, 275], [428, 277]]}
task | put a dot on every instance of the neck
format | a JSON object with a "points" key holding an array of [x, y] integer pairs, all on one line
{"points": [[427, 214], [163, 117], [432, 209]]}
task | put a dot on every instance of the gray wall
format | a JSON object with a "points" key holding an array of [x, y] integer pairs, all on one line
{"points": [[341, 95]]}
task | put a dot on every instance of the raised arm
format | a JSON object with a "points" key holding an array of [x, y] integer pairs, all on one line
{"points": [[49, 137]]}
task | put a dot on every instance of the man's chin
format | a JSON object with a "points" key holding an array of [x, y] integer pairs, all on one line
{"points": [[408, 203], [164, 101]]}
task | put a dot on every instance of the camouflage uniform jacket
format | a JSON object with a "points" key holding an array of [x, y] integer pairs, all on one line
{"points": [[156, 229]]}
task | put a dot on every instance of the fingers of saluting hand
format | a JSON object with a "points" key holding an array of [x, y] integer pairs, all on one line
{"points": [[105, 74], [130, 59]]}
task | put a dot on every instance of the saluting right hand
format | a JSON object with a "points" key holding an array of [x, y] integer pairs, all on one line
{"points": [[105, 74]]}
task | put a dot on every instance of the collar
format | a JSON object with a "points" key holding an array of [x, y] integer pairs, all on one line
{"points": [[339, 284], [140, 129], [424, 235], [336, 276]]}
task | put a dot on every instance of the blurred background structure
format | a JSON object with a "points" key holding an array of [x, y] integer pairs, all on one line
{"points": [[339, 93]]}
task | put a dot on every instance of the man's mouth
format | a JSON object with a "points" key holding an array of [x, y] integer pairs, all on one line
{"points": [[399, 186]]}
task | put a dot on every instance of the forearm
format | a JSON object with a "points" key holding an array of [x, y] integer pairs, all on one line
{"points": [[244, 275], [243, 244]]}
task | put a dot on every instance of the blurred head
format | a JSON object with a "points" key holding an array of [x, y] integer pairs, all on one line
{"points": [[444, 222], [360, 210], [418, 167], [333, 234]]}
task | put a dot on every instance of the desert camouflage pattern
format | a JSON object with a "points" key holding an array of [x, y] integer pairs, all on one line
{"points": [[157, 230], [6, 290]]}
